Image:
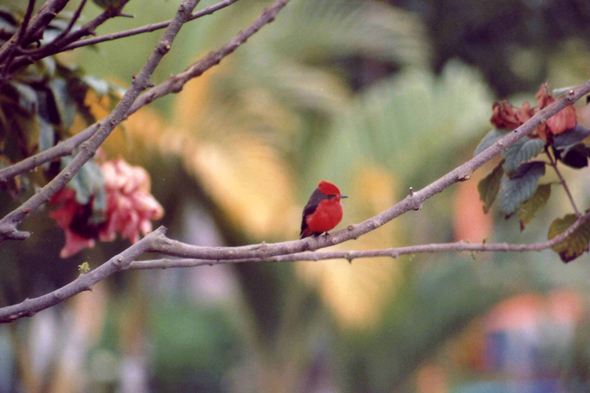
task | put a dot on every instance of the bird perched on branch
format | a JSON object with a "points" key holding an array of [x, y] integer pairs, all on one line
{"points": [[323, 210]]}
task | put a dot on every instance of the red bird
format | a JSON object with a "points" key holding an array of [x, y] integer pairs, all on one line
{"points": [[323, 210]]}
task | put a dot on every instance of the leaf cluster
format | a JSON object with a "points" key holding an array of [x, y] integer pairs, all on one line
{"points": [[41, 105], [515, 180]]}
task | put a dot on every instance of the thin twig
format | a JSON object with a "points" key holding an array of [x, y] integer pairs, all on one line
{"points": [[20, 35], [67, 147], [145, 29], [8, 225], [553, 163], [71, 24]]}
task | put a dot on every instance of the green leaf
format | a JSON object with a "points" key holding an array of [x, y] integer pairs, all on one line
{"points": [[522, 150], [66, 105], [519, 188], [100, 86], [570, 137], [575, 244], [492, 137], [529, 209], [88, 182], [489, 186], [46, 136]]}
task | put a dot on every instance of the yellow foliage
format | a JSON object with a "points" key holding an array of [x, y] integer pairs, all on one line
{"points": [[231, 157]]}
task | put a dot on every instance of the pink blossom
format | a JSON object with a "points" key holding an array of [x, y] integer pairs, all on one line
{"points": [[130, 208]]}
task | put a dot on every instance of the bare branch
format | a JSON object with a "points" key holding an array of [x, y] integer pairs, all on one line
{"points": [[126, 261], [553, 163], [145, 29], [72, 22], [85, 282], [18, 41], [351, 255], [27, 57], [8, 225], [62, 149], [67, 147], [46, 13], [175, 83]]}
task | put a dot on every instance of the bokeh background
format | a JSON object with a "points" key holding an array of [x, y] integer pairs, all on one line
{"points": [[376, 96]]}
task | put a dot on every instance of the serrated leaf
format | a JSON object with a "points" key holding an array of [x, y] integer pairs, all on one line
{"points": [[570, 137], [489, 186], [575, 244], [522, 186], [492, 137], [529, 209], [522, 150]]}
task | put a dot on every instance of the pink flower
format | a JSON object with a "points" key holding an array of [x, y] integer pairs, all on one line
{"points": [[130, 208], [64, 217]]}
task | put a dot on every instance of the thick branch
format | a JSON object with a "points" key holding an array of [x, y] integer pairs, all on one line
{"points": [[126, 261], [351, 255], [9, 223], [85, 282]]}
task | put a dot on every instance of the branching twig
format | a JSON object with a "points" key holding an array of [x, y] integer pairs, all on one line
{"points": [[45, 15], [30, 56], [553, 163], [67, 147], [8, 225], [126, 261], [71, 24], [13, 45], [145, 29]]}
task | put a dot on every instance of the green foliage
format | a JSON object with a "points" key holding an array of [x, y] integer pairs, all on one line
{"points": [[491, 137], [574, 245], [38, 106], [523, 150], [529, 209], [489, 186], [520, 186]]}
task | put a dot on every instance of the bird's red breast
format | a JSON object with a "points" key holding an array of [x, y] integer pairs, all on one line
{"points": [[323, 210]]}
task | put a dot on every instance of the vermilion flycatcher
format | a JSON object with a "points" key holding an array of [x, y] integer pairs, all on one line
{"points": [[323, 210]]}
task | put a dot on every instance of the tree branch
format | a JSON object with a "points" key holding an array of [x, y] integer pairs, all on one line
{"points": [[352, 255], [8, 225], [13, 45], [145, 29], [27, 57], [126, 261], [68, 147], [46, 13]]}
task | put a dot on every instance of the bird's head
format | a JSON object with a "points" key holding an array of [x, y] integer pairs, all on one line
{"points": [[330, 190]]}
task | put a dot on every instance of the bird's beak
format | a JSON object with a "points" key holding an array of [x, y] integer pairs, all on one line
{"points": [[343, 196]]}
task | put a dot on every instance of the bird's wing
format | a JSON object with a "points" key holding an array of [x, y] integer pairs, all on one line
{"points": [[312, 205]]}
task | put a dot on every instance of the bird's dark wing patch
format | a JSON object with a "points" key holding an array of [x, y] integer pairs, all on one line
{"points": [[310, 208]]}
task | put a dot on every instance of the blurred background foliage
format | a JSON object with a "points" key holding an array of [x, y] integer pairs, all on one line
{"points": [[375, 96]]}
